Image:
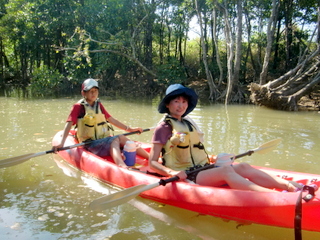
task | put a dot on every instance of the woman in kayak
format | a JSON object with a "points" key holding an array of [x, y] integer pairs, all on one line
{"points": [[95, 123], [177, 143]]}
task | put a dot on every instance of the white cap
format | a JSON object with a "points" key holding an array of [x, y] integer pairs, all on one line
{"points": [[88, 84]]}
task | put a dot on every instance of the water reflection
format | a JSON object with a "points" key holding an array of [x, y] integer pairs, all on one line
{"points": [[45, 198]]}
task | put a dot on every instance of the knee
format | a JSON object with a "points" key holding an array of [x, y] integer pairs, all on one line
{"points": [[243, 166], [227, 170], [225, 173], [122, 139], [115, 142]]}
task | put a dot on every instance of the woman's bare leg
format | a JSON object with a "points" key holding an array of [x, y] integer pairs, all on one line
{"points": [[227, 175], [262, 178]]}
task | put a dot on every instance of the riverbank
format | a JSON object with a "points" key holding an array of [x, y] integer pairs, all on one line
{"points": [[310, 102]]}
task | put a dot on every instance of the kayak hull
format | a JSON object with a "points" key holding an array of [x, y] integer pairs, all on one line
{"points": [[245, 207]]}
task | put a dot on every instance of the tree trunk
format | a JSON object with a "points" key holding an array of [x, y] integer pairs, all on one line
{"points": [[285, 92], [212, 86], [288, 12], [270, 34], [230, 51], [169, 40], [276, 59], [235, 78], [216, 46]]}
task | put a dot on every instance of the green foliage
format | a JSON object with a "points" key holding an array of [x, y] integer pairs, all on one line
{"points": [[171, 72], [101, 38], [45, 82], [192, 58]]}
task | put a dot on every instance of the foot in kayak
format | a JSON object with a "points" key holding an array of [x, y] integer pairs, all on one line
{"points": [[296, 187]]}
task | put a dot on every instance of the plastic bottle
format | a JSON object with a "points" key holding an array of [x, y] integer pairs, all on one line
{"points": [[129, 151]]}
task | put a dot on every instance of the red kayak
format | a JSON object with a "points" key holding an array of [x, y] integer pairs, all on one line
{"points": [[274, 209]]}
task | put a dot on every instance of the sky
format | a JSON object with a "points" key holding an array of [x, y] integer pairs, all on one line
{"points": [[194, 31]]}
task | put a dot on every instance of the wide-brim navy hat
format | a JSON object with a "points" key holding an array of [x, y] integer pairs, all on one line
{"points": [[176, 90]]}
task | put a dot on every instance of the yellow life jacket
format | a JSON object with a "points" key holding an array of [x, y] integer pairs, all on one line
{"points": [[94, 124], [186, 153]]}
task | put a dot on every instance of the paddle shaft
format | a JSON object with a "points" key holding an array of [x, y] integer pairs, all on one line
{"points": [[131, 133], [244, 154], [20, 159], [88, 142]]}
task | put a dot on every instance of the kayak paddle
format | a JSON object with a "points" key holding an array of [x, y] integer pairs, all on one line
{"points": [[20, 159], [125, 195], [264, 148]]}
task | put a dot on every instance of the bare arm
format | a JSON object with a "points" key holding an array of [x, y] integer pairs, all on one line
{"points": [[65, 134], [121, 125]]}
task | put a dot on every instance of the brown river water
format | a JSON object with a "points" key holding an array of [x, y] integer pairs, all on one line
{"points": [[44, 198]]}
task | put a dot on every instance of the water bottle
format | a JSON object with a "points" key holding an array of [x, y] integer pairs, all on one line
{"points": [[129, 152]]}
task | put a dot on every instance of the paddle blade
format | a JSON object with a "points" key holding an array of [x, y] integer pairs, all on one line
{"points": [[120, 197], [266, 147], [19, 159]]}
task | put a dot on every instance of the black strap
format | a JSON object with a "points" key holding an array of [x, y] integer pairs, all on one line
{"points": [[183, 147], [298, 210]]}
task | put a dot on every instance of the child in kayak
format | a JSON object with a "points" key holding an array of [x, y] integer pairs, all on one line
{"points": [[178, 142], [95, 123]]}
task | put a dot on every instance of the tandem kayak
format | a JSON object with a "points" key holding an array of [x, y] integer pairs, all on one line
{"points": [[246, 207]]}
